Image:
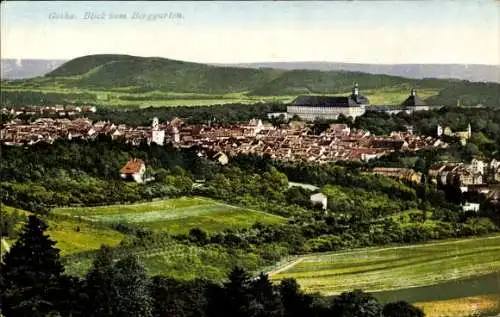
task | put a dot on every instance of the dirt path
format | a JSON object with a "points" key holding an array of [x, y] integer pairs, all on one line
{"points": [[285, 266]]}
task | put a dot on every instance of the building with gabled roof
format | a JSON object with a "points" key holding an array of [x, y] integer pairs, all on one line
{"points": [[134, 169]]}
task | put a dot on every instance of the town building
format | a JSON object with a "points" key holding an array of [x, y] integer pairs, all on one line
{"points": [[221, 158], [311, 107], [319, 199], [463, 135], [134, 169]]}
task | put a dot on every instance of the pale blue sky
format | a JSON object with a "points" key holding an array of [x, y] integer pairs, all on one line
{"points": [[350, 31]]}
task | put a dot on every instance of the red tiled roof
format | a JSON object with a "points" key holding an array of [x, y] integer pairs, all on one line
{"points": [[133, 166]]}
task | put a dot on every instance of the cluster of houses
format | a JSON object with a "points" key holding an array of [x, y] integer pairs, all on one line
{"points": [[57, 110], [478, 172], [292, 142], [47, 130], [287, 142]]}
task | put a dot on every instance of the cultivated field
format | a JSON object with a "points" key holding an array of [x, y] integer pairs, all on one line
{"points": [[174, 215], [449, 278], [393, 268]]}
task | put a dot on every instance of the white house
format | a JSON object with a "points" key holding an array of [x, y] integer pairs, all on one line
{"points": [[470, 207], [221, 158], [319, 198], [134, 169]]}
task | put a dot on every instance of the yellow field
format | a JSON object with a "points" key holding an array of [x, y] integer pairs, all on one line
{"points": [[462, 307]]}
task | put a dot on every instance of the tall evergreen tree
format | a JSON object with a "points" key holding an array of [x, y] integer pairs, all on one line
{"points": [[295, 304], [132, 283], [118, 289], [99, 287], [266, 301], [30, 273], [236, 296]]}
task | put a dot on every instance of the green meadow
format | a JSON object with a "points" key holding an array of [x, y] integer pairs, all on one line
{"points": [[73, 236], [174, 215]]}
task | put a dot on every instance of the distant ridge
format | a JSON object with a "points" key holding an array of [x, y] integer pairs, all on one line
{"points": [[28, 68], [471, 72], [157, 77]]}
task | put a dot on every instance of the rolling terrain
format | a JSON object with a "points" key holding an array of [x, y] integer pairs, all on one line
{"points": [[140, 81]]}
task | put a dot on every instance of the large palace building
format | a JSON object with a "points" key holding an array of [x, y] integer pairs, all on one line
{"points": [[328, 107]]}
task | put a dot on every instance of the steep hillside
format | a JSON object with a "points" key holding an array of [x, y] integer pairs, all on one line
{"points": [[148, 74]]}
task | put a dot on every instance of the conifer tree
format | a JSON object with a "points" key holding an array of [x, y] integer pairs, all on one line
{"points": [[118, 289], [266, 301], [236, 296], [132, 284], [30, 273], [100, 287]]}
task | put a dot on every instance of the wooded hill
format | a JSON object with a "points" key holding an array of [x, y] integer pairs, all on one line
{"points": [[131, 74]]}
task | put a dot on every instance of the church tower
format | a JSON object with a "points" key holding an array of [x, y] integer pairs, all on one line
{"points": [[157, 135], [355, 89], [469, 131], [413, 92]]}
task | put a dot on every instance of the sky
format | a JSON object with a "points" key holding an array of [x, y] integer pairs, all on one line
{"points": [[377, 32]]}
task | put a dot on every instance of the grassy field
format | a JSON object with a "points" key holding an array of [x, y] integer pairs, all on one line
{"points": [[450, 278], [73, 236], [175, 215], [382, 269]]}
